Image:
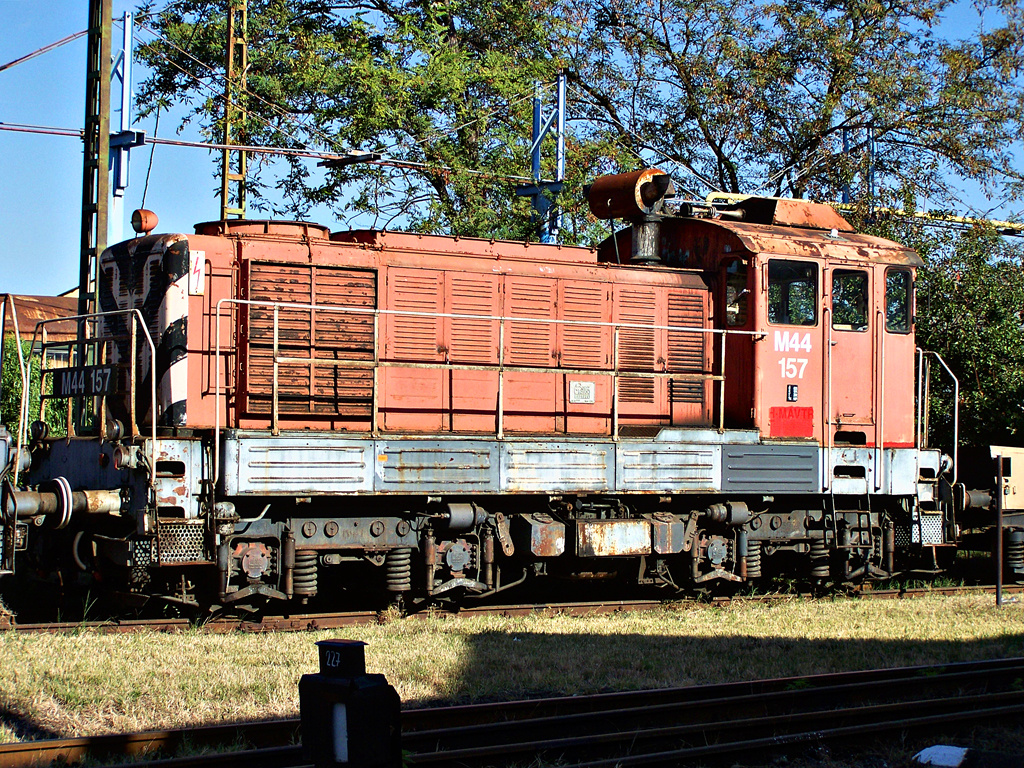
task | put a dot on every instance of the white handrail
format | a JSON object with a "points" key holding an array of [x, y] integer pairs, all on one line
{"points": [[23, 405], [500, 367], [137, 318], [956, 406]]}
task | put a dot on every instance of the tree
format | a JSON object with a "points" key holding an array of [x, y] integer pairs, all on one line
{"points": [[970, 309], [757, 97], [736, 96], [11, 388], [442, 88]]}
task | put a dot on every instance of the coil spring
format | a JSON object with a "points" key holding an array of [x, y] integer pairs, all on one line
{"points": [[753, 559], [1015, 552], [819, 559], [304, 575], [398, 569]]}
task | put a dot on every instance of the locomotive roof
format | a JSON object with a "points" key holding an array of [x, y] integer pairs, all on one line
{"points": [[467, 246], [791, 239], [448, 245], [815, 243]]}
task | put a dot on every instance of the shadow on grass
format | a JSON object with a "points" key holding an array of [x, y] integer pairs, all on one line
{"points": [[505, 665], [24, 728]]}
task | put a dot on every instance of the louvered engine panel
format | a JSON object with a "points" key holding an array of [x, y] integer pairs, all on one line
{"points": [[584, 346], [687, 350], [415, 337], [324, 334], [526, 343], [473, 338], [638, 345]]}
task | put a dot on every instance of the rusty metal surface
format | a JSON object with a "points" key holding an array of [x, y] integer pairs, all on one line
{"points": [[552, 467], [539, 534], [443, 245], [668, 533], [802, 213], [410, 466], [668, 467], [813, 243], [264, 227], [623, 195], [612, 538], [298, 465]]}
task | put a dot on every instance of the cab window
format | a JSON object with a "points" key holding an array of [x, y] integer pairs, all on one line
{"points": [[792, 292], [897, 300], [736, 293], [850, 300]]}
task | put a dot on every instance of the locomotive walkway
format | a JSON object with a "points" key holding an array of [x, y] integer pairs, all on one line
{"points": [[660, 727]]}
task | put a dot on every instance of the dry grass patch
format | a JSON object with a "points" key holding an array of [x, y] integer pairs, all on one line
{"points": [[88, 683]]}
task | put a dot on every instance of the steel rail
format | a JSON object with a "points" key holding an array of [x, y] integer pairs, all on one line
{"points": [[641, 727]]}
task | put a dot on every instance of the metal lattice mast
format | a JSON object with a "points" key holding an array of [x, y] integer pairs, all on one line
{"points": [[542, 192], [95, 181], [234, 162]]}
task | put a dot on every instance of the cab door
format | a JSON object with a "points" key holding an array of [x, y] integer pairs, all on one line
{"points": [[791, 358], [851, 375]]}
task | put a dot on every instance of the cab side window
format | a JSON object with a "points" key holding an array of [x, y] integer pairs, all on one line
{"points": [[792, 292], [897, 300], [736, 293], [850, 300]]}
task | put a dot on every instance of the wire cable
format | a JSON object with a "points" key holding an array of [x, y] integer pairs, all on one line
{"points": [[44, 49]]}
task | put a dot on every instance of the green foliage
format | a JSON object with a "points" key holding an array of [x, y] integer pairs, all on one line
{"points": [[970, 309], [756, 96], [444, 88], [11, 388], [971, 305]]}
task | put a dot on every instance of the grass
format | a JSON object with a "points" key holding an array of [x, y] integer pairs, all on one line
{"points": [[88, 683]]}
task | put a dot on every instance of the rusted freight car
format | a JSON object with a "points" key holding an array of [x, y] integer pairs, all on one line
{"points": [[268, 411]]}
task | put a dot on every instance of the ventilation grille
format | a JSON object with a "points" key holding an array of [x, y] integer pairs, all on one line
{"points": [[928, 530], [686, 391], [637, 344], [530, 344], [583, 346], [180, 542], [415, 338], [304, 388], [686, 350], [473, 339]]}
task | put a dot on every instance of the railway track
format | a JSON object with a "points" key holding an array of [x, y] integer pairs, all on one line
{"points": [[659, 727], [319, 621]]}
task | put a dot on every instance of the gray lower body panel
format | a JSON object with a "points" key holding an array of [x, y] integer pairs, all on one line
{"points": [[260, 464], [771, 468]]}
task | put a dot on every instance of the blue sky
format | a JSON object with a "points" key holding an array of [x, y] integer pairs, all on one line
{"points": [[41, 176]]}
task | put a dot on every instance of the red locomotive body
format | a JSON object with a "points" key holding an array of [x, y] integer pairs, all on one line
{"points": [[713, 390], [439, 317]]}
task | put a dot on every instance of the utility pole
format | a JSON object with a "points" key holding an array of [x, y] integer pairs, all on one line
{"points": [[96, 163], [234, 163], [550, 220]]}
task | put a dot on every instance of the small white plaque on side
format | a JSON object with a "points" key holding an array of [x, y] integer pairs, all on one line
{"points": [[340, 733]]}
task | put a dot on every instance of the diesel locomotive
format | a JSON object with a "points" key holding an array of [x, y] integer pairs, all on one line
{"points": [[267, 412]]}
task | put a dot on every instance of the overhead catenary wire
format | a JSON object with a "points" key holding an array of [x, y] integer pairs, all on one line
{"points": [[44, 49], [284, 151]]}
